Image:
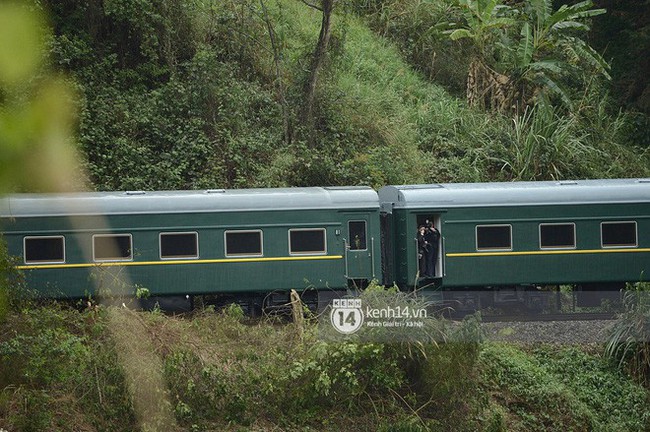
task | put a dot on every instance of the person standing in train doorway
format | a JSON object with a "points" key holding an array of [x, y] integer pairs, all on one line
{"points": [[432, 239], [423, 252]]}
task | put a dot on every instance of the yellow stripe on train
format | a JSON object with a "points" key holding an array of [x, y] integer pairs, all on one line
{"points": [[188, 261], [545, 252]]}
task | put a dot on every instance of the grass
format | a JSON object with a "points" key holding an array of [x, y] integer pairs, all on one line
{"points": [[60, 371], [392, 125], [560, 388], [629, 343], [65, 369]]}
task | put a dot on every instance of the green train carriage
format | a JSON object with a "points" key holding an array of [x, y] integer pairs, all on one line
{"points": [[511, 239], [250, 245]]}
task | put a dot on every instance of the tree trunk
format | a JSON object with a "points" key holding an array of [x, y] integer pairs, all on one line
{"points": [[489, 90], [286, 121], [307, 112]]}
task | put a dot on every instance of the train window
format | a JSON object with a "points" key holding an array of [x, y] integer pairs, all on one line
{"points": [[243, 243], [45, 249], [618, 234], [357, 231], [179, 245], [557, 236], [307, 241], [112, 247], [494, 237]]}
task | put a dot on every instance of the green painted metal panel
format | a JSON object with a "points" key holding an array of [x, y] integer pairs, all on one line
{"points": [[527, 263], [212, 271]]}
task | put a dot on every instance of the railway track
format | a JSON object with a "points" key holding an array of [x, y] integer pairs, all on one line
{"points": [[574, 316]]}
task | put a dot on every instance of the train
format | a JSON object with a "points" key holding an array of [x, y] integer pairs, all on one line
{"points": [[499, 242]]}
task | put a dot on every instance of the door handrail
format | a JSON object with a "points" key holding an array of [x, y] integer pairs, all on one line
{"points": [[372, 255], [346, 248]]}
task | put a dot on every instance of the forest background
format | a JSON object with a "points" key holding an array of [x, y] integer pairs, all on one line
{"points": [[263, 93]]}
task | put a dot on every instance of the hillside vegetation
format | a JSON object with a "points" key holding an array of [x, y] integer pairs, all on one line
{"points": [[184, 94], [64, 370]]}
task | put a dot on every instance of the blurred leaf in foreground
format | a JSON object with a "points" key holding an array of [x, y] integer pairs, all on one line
{"points": [[37, 108]]}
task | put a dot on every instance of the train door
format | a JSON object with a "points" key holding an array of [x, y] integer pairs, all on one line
{"points": [[359, 248], [430, 256]]}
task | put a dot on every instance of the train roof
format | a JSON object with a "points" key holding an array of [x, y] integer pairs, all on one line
{"points": [[215, 200], [574, 192]]}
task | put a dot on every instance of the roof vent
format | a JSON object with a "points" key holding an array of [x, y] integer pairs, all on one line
{"points": [[214, 191], [646, 180], [135, 193], [567, 183], [424, 186], [345, 188]]}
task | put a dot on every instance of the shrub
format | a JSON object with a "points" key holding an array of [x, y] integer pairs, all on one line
{"points": [[61, 363], [559, 388], [6, 268], [629, 342]]}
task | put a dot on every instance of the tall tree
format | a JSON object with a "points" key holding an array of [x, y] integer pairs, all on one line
{"points": [[550, 50], [525, 54], [326, 7], [484, 21]]}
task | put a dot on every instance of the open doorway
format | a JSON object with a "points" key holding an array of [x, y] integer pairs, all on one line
{"points": [[429, 239]]}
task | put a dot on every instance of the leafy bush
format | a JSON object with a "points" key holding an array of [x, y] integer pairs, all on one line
{"points": [[202, 129], [629, 342], [335, 374], [616, 402], [43, 359], [556, 388], [59, 362], [6, 282], [15, 294]]}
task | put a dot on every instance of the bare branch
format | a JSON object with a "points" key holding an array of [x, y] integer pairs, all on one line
{"points": [[311, 5]]}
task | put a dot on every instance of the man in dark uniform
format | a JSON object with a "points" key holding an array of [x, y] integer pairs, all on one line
{"points": [[422, 250], [432, 239]]}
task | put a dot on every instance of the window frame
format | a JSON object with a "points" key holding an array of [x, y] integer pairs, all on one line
{"points": [[575, 236], [178, 257], [617, 246], [116, 259], [312, 253], [492, 249], [34, 262], [243, 255], [365, 228]]}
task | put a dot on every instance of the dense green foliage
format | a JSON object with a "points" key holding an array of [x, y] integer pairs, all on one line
{"points": [[61, 370], [553, 388], [629, 342], [184, 94], [224, 372]]}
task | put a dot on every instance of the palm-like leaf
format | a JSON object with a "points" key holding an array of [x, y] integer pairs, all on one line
{"points": [[553, 87], [552, 66], [548, 49], [526, 46], [545, 52], [570, 24], [460, 34], [480, 17]]}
